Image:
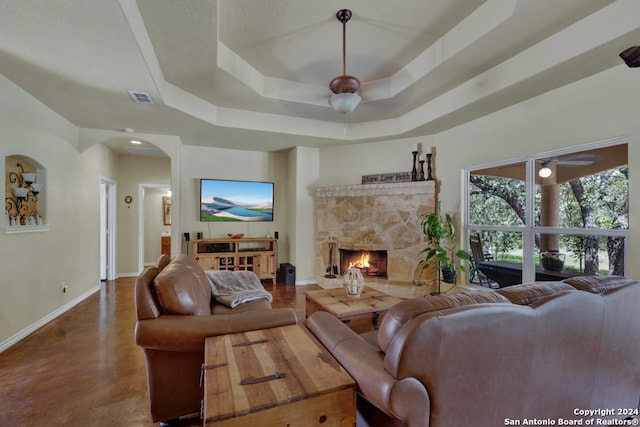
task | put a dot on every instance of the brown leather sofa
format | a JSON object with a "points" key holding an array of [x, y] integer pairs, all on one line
{"points": [[175, 314], [537, 351]]}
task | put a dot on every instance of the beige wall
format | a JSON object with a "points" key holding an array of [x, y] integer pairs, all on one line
{"points": [[35, 264], [598, 108], [304, 170], [133, 172], [218, 163], [345, 164], [153, 223], [595, 109]]}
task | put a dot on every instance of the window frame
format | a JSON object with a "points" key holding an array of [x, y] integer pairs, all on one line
{"points": [[530, 229]]}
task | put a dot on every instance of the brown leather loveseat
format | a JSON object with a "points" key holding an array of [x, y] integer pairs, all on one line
{"points": [[176, 312], [535, 352]]}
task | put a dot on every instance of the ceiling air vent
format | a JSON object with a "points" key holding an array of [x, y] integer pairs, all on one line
{"points": [[141, 97]]}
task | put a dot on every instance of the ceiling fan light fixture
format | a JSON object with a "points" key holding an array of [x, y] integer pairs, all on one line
{"points": [[545, 171], [344, 99], [344, 102]]}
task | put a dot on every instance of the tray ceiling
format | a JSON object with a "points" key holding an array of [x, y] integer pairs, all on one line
{"points": [[254, 75]]}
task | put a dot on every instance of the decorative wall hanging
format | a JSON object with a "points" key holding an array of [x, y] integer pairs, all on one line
{"points": [[24, 182], [166, 210]]}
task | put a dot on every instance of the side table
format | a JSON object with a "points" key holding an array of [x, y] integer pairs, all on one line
{"points": [[361, 314]]}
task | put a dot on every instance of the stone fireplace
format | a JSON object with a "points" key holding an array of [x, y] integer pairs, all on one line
{"points": [[373, 218]]}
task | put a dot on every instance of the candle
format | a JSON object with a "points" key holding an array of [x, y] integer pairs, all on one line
{"points": [[423, 157], [415, 146]]}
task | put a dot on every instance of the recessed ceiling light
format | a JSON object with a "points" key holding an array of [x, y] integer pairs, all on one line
{"points": [[133, 141]]}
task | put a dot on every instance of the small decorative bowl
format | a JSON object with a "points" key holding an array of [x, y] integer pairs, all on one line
{"points": [[235, 236]]}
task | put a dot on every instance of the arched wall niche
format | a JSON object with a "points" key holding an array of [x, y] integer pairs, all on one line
{"points": [[24, 194]]}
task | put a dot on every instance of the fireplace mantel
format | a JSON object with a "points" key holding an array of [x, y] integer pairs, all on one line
{"points": [[372, 217], [397, 188]]}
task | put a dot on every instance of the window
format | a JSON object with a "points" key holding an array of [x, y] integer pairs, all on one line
{"points": [[552, 215]]}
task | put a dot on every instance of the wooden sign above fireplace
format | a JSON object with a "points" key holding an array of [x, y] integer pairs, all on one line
{"points": [[386, 178]]}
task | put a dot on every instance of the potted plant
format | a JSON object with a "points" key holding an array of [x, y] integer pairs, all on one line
{"points": [[552, 260], [440, 229]]}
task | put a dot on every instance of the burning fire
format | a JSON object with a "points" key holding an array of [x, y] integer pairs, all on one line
{"points": [[363, 262]]}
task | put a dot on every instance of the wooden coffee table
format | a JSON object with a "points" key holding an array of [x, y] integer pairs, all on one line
{"points": [[275, 377], [361, 314]]}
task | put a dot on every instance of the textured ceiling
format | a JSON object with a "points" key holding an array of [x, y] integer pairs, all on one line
{"points": [[254, 74]]}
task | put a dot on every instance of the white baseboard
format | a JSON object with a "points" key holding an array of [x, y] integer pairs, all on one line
{"points": [[40, 323], [120, 275], [306, 282]]}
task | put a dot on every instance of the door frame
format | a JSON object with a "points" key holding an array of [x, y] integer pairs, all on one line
{"points": [[141, 188], [107, 228]]}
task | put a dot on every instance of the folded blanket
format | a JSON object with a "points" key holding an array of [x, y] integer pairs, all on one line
{"points": [[233, 288]]}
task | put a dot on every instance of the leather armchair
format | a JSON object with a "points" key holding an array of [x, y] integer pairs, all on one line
{"points": [[176, 313]]}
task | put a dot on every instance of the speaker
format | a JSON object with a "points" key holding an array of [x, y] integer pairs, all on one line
{"points": [[199, 235], [631, 56], [187, 237], [286, 274]]}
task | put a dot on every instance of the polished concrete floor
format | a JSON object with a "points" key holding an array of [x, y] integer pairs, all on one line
{"points": [[84, 369]]}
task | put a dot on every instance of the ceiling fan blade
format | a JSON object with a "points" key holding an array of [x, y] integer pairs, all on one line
{"points": [[580, 159], [574, 162], [579, 156]]}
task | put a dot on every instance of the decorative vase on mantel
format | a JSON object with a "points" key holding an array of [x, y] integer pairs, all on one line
{"points": [[353, 282]]}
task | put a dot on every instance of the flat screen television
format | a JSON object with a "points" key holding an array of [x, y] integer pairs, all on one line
{"points": [[226, 200]]}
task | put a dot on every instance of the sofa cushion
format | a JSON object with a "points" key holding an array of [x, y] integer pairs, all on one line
{"points": [[258, 304], [162, 261], [598, 284], [183, 288], [146, 299], [404, 311], [529, 293]]}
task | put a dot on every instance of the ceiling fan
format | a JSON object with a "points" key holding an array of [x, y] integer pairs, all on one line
{"points": [[580, 159], [571, 160], [345, 98]]}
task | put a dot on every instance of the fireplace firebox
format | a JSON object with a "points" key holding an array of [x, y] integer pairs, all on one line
{"points": [[372, 263]]}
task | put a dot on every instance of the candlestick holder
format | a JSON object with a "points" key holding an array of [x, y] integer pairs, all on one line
{"points": [[414, 171], [429, 177], [421, 170]]}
